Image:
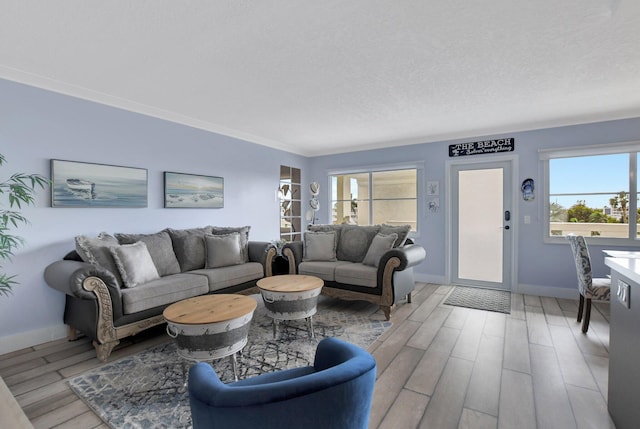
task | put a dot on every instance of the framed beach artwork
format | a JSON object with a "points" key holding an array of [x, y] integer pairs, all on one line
{"points": [[83, 184], [193, 191]]}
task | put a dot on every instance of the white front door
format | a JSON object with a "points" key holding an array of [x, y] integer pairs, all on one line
{"points": [[481, 224]]}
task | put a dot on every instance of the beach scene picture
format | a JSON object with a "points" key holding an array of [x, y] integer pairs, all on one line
{"points": [[82, 184], [193, 191]]}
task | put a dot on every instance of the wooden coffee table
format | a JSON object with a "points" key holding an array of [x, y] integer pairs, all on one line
{"points": [[210, 327], [291, 297]]}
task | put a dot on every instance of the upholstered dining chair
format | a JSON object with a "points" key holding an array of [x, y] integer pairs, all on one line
{"points": [[336, 392], [590, 288]]}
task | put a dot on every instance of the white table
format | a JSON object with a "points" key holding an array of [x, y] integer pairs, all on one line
{"points": [[629, 254], [624, 342]]}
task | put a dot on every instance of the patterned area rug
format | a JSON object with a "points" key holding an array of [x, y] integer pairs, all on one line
{"points": [[148, 390], [481, 299]]}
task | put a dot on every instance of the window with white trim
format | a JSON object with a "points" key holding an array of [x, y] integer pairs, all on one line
{"points": [[592, 192], [375, 197]]}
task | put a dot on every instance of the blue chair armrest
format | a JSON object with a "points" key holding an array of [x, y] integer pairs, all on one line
{"points": [[334, 364]]}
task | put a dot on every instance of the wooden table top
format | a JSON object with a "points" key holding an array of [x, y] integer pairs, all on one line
{"points": [[207, 309], [290, 283]]}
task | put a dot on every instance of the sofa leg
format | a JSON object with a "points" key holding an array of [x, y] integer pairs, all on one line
{"points": [[104, 350], [386, 309], [72, 333], [409, 298]]}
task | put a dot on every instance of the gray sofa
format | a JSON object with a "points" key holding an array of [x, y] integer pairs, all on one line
{"points": [[117, 286], [370, 263]]}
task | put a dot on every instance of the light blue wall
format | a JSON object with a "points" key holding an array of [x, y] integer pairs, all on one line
{"points": [[542, 268], [37, 125]]}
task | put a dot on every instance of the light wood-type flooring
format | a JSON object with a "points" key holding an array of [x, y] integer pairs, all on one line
{"points": [[438, 367]]}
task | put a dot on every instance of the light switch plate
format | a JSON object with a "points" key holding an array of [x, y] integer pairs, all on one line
{"points": [[623, 293]]}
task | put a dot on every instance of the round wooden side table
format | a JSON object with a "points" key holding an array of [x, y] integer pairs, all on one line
{"points": [[291, 297], [210, 327]]}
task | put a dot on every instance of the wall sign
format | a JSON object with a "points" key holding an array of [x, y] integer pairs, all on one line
{"points": [[484, 146]]}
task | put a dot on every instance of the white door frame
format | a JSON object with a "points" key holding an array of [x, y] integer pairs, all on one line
{"points": [[469, 161]]}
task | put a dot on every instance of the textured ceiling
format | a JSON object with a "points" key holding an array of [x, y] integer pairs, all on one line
{"points": [[319, 77]]}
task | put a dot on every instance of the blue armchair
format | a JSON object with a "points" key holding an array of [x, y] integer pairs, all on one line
{"points": [[336, 392]]}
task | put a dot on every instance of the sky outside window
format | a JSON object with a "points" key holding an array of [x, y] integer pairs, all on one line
{"points": [[602, 174]]}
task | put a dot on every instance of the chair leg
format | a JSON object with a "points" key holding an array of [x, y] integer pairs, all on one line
{"points": [[587, 316], [580, 307]]}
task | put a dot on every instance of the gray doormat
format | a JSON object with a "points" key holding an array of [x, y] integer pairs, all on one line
{"points": [[147, 390], [481, 299]]}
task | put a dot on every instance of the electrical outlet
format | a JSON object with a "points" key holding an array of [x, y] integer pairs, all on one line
{"points": [[623, 293]]}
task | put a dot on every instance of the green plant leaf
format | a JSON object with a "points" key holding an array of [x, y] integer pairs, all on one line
{"points": [[6, 283], [20, 188]]}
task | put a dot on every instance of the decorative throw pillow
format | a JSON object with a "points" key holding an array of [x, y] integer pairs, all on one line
{"points": [[319, 246], [188, 245], [134, 264], [327, 228], [379, 246], [96, 251], [355, 241], [244, 237], [401, 230], [160, 248], [223, 250]]}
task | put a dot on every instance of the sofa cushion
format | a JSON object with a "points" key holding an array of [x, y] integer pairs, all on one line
{"points": [[188, 245], [401, 230], [163, 291], [324, 270], [379, 246], [327, 228], [220, 278], [160, 247], [354, 242], [244, 236], [319, 246], [223, 250], [134, 264], [357, 274], [96, 251]]}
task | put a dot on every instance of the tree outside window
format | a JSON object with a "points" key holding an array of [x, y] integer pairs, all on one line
{"points": [[590, 196]]}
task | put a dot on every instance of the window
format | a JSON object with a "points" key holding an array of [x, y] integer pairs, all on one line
{"points": [[589, 192], [375, 197]]}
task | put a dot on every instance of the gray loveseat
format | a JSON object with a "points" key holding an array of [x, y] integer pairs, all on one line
{"points": [[117, 286], [370, 263]]}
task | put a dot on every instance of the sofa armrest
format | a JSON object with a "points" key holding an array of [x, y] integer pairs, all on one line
{"points": [[395, 274], [293, 251], [259, 252], [69, 276], [409, 256]]}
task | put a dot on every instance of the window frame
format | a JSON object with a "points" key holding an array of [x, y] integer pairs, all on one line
{"points": [[632, 149], [370, 169]]}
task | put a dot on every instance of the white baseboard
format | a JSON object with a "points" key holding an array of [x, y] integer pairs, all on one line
{"points": [[553, 292], [23, 340], [428, 278], [525, 289]]}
